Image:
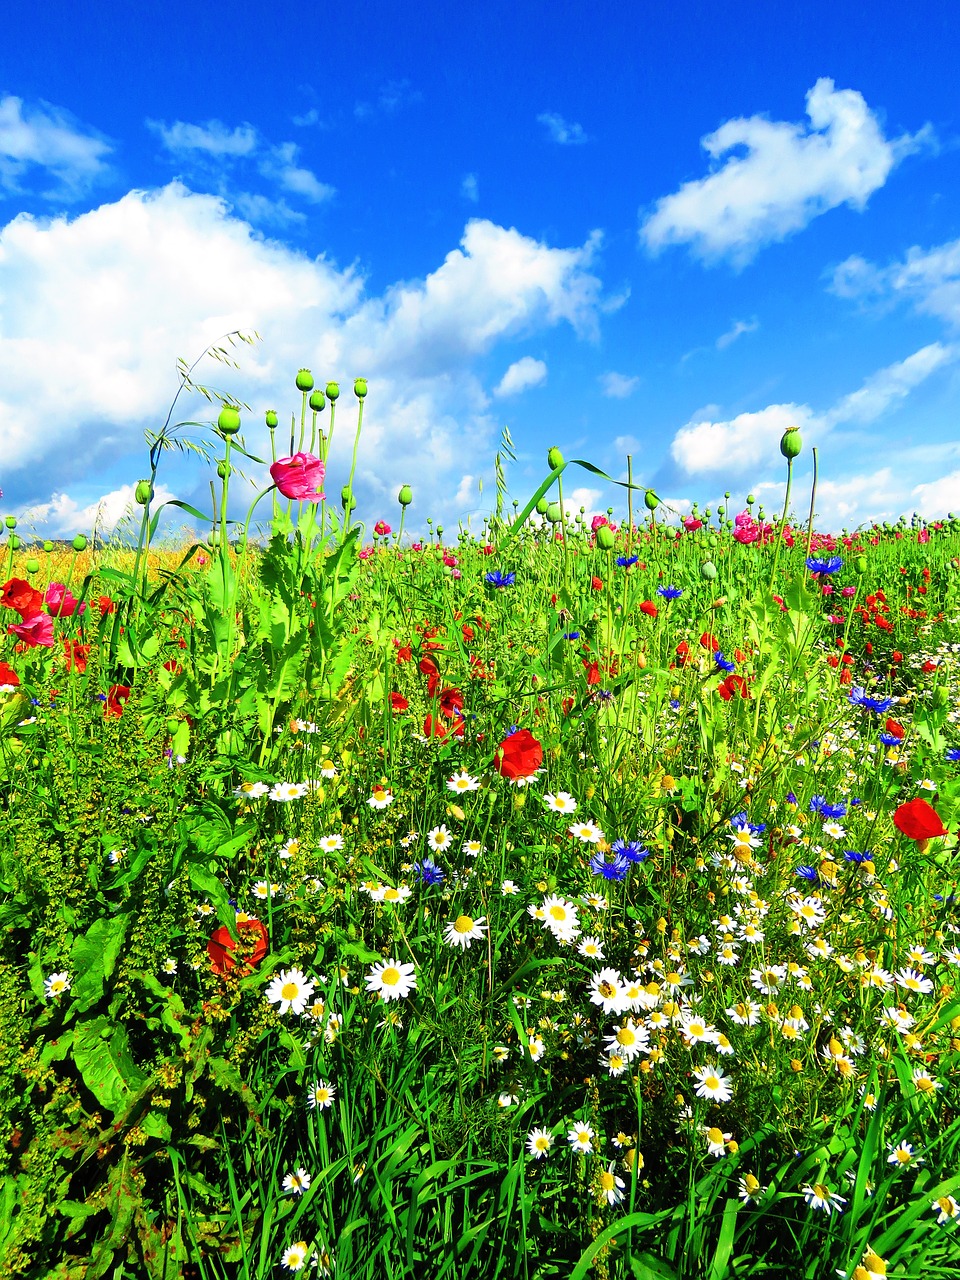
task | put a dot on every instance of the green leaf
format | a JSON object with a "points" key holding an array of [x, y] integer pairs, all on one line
{"points": [[94, 957], [101, 1050]]}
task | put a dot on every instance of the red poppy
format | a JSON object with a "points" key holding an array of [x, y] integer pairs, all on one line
{"points": [[76, 655], [117, 696], [428, 667], [19, 595], [451, 701], [468, 633], [398, 703], [597, 584], [434, 727], [894, 728], [732, 684], [106, 605], [918, 820], [8, 675], [173, 666], [593, 672], [567, 706], [221, 945], [404, 654], [518, 756], [709, 641], [649, 608]]}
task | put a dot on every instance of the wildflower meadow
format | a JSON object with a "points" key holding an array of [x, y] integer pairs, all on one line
{"points": [[571, 896]]}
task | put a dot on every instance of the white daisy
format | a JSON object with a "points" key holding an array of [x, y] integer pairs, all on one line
{"points": [[380, 798], [330, 844], [581, 1138], [508, 888], [251, 790], [463, 781], [297, 1183], [539, 1142], [586, 832], [295, 1257], [712, 1083], [56, 985], [611, 1187], [282, 792], [290, 989], [606, 990], [439, 838], [473, 848], [387, 893], [392, 980], [562, 802], [464, 931], [590, 947], [320, 1095]]}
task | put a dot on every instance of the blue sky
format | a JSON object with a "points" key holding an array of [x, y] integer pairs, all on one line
{"points": [[666, 234]]}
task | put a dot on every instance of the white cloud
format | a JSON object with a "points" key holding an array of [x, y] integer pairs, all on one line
{"points": [[566, 133], [776, 176], [81, 324], [938, 497], [62, 515], [752, 439], [522, 374], [47, 137], [213, 138], [264, 211], [470, 189], [618, 386], [736, 330], [929, 278], [281, 165]]}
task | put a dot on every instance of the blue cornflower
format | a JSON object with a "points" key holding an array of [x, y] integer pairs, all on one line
{"points": [[791, 798], [675, 704], [670, 593], [498, 579], [615, 870], [952, 754], [889, 740], [808, 873], [624, 562], [35, 702], [632, 850], [831, 811], [817, 803], [571, 635], [832, 565], [739, 821], [428, 872], [852, 855], [859, 699], [721, 661], [604, 695]]}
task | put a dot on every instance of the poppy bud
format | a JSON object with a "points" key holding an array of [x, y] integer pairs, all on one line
{"points": [[650, 500], [304, 380], [605, 538], [860, 564], [79, 543], [318, 401], [554, 458], [223, 469], [333, 390], [708, 570], [10, 522], [13, 542], [143, 492], [553, 513], [790, 442], [229, 420], [272, 419], [359, 387], [542, 507], [751, 499], [405, 496], [347, 500]]}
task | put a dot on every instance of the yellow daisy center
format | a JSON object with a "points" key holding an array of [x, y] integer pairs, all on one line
{"points": [[390, 895], [390, 977], [607, 1181], [289, 991], [714, 1135], [626, 1036], [463, 924]]}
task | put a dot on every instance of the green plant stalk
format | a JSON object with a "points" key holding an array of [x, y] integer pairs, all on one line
{"points": [[783, 523], [353, 466], [813, 497], [303, 423]]}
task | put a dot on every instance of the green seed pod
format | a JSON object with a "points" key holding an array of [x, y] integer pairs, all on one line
{"points": [[605, 538], [940, 698], [304, 380], [213, 538], [10, 522], [650, 500], [708, 570], [790, 442], [554, 458], [359, 387], [13, 542], [347, 500], [223, 468], [750, 499], [542, 507], [48, 546], [553, 513], [79, 543], [33, 565], [229, 420], [405, 496], [860, 564], [333, 391], [318, 401], [272, 419], [143, 492]]}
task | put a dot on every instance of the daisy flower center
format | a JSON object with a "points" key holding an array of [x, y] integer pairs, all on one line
{"points": [[390, 977], [626, 1036], [607, 1180], [463, 924], [289, 990], [558, 913], [714, 1135], [607, 989]]}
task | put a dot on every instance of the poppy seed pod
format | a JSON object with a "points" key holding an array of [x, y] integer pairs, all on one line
{"points": [[605, 538], [33, 565], [542, 507], [10, 522], [790, 442], [272, 419], [554, 458], [405, 496], [48, 546], [143, 492], [79, 543], [359, 387], [304, 380], [228, 422], [708, 570], [553, 513], [650, 500], [333, 390], [13, 542], [318, 401]]}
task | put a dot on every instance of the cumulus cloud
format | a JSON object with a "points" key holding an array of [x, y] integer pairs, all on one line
{"points": [[750, 439], [928, 278], [938, 496], [51, 140], [62, 514], [771, 178], [81, 324], [522, 374], [618, 386], [566, 133]]}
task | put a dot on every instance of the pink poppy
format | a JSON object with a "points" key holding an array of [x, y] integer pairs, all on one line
{"points": [[60, 601], [299, 477], [34, 631]]}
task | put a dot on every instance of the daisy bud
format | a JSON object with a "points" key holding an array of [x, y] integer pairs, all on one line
{"points": [[554, 458], [228, 423], [304, 380]]}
